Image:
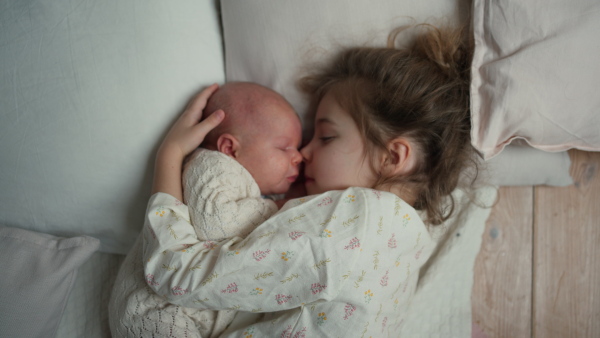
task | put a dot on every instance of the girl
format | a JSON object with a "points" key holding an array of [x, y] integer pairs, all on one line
{"points": [[391, 137]]}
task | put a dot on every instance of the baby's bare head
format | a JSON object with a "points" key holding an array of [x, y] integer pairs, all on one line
{"points": [[249, 109], [260, 130]]}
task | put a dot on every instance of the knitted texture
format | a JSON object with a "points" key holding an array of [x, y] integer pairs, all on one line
{"points": [[224, 202], [223, 198]]}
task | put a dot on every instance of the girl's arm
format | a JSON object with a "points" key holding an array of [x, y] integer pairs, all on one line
{"points": [[187, 134], [290, 259]]}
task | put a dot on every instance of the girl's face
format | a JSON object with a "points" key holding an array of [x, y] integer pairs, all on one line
{"points": [[334, 158]]}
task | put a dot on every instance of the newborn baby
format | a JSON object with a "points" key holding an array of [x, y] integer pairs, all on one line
{"points": [[253, 152]]}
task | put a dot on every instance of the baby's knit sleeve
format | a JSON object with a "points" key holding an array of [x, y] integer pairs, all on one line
{"points": [[224, 200]]}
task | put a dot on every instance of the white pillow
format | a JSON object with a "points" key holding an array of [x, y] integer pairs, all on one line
{"points": [[38, 272], [87, 91], [536, 74], [272, 42]]}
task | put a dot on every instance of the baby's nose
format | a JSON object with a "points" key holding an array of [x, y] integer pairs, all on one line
{"points": [[296, 158]]}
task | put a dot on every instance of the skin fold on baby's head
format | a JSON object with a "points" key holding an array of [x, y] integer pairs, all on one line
{"points": [[260, 130]]}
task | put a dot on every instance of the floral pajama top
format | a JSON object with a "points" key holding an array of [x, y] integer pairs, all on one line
{"points": [[339, 264]]}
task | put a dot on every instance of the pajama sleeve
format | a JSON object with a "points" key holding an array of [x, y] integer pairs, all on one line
{"points": [[301, 255]]}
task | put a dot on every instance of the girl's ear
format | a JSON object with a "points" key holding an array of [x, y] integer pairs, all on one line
{"points": [[228, 145], [400, 158]]}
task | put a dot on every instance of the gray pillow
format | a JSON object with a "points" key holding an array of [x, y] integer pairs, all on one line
{"points": [[37, 274]]}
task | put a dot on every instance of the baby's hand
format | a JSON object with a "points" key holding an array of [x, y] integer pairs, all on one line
{"points": [[189, 131]]}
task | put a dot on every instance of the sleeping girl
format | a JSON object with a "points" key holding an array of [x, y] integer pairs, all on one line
{"points": [[392, 136], [253, 151]]}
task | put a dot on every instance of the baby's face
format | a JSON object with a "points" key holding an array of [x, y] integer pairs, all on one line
{"points": [[271, 154]]}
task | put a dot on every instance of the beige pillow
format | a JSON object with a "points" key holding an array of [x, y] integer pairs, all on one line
{"points": [[536, 74], [38, 272]]}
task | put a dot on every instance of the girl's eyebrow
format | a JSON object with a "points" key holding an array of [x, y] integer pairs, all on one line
{"points": [[325, 120]]}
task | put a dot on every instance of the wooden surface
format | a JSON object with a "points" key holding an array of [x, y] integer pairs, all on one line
{"points": [[538, 271]]}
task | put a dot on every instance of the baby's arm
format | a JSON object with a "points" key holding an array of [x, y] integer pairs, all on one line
{"points": [[224, 200]]}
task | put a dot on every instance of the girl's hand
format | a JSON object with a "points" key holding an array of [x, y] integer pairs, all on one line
{"points": [[186, 135], [189, 130]]}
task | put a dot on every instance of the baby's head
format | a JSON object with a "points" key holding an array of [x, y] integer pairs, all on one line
{"points": [[260, 130], [395, 120]]}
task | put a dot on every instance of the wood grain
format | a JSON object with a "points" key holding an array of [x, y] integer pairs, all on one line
{"points": [[503, 270], [566, 274]]}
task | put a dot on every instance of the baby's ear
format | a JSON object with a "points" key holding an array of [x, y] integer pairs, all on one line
{"points": [[400, 159], [228, 145]]}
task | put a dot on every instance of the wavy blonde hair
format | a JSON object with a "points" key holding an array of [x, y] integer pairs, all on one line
{"points": [[421, 92]]}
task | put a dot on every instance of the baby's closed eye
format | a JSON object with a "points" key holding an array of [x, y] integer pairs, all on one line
{"points": [[289, 148]]}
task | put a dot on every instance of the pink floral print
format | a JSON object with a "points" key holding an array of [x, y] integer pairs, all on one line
{"points": [[348, 310], [282, 299], [294, 235], [354, 243], [260, 255], [231, 288], [317, 288]]}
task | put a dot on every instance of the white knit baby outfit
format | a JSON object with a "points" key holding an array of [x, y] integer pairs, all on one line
{"points": [[223, 198], [224, 202]]}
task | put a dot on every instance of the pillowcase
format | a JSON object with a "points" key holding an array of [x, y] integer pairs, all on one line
{"points": [[38, 272], [87, 92], [525, 166], [535, 74], [273, 43], [86, 312]]}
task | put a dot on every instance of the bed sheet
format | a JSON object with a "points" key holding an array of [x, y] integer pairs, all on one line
{"points": [[86, 313]]}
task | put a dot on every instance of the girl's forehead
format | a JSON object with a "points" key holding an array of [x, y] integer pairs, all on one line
{"points": [[329, 112]]}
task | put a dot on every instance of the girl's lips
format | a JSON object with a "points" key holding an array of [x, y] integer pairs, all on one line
{"points": [[308, 180], [292, 178]]}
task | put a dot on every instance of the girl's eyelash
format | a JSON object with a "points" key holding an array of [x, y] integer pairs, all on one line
{"points": [[327, 138]]}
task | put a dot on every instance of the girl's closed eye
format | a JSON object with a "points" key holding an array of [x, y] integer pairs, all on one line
{"points": [[326, 139]]}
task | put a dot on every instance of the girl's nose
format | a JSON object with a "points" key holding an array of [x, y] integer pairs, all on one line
{"points": [[305, 152]]}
